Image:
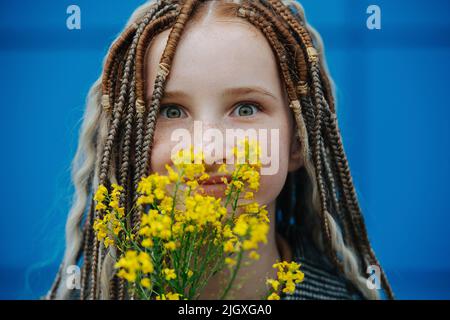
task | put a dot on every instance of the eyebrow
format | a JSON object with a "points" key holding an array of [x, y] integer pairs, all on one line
{"points": [[226, 92], [247, 90]]}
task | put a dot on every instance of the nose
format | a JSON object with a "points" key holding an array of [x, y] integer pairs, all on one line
{"points": [[209, 137]]}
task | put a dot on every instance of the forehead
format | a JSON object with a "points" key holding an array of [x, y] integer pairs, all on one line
{"points": [[217, 53]]}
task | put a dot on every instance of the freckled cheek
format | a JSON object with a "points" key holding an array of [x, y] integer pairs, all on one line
{"points": [[158, 159], [161, 151], [278, 152], [270, 187]]}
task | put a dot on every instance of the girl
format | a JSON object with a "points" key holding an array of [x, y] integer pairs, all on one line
{"points": [[229, 64]]}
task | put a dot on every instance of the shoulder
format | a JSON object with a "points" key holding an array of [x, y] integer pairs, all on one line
{"points": [[321, 284], [322, 280]]}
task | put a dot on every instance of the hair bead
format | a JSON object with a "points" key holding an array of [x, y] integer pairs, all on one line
{"points": [[163, 69], [105, 103], [303, 89], [140, 106], [312, 54]]}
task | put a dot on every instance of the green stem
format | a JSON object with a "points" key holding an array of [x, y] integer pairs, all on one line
{"points": [[233, 276]]}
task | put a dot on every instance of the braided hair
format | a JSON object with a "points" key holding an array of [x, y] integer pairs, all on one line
{"points": [[116, 139]]}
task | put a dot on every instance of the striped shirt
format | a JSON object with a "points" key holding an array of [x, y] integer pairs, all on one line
{"points": [[322, 281]]}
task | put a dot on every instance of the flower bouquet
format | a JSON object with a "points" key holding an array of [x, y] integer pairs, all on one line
{"points": [[186, 235]]}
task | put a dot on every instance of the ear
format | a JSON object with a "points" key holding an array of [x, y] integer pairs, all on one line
{"points": [[295, 152]]}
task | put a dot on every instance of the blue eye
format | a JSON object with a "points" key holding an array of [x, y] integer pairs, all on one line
{"points": [[245, 109], [172, 112]]}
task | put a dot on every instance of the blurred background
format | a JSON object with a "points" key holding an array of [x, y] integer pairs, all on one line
{"points": [[393, 112]]}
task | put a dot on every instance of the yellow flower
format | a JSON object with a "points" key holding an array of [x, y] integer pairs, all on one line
{"points": [[173, 296], [171, 245], [101, 193], [129, 276], [175, 220], [248, 245], [147, 243], [100, 206], [132, 263], [240, 228], [288, 275], [280, 265], [192, 184], [253, 255], [249, 195], [201, 210], [190, 164], [168, 296], [289, 287], [129, 265], [145, 199], [166, 204], [299, 277], [222, 168], [117, 228], [173, 176], [274, 283], [230, 262], [248, 151], [273, 296], [251, 176], [146, 262], [252, 208], [228, 246], [169, 274], [155, 224], [145, 185], [100, 228], [146, 283], [108, 242], [159, 194], [151, 187], [227, 233], [100, 196]]}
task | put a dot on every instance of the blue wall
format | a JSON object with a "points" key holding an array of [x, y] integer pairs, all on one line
{"points": [[392, 86]]}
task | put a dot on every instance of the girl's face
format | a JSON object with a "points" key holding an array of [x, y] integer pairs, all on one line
{"points": [[225, 75]]}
